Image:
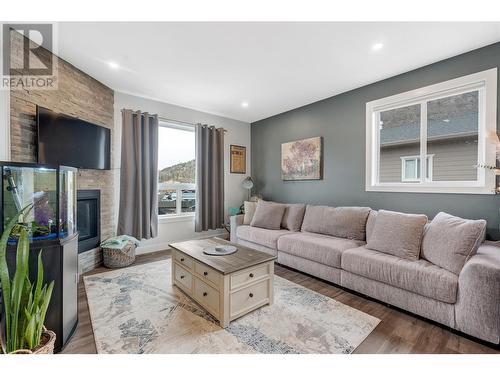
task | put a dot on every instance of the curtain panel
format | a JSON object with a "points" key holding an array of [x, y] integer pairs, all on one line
{"points": [[209, 178], [138, 212]]}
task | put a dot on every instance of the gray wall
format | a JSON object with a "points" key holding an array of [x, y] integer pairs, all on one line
{"points": [[340, 120]]}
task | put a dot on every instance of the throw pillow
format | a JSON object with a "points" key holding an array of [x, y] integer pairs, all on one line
{"points": [[293, 216], [370, 224], [268, 215], [345, 222], [398, 234], [249, 208], [450, 241]]}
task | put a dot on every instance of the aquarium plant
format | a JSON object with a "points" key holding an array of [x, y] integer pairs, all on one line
{"points": [[25, 304]]}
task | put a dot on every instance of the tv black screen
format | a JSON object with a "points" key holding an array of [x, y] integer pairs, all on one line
{"points": [[65, 140]]}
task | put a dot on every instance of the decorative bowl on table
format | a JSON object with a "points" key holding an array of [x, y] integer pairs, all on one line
{"points": [[220, 250]]}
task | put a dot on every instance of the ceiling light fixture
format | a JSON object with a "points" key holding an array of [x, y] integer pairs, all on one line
{"points": [[377, 46], [113, 65], [244, 104]]}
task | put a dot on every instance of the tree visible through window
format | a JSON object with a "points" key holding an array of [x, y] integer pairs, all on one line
{"points": [[176, 169]]}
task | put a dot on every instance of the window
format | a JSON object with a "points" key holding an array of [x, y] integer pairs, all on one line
{"points": [[410, 168], [446, 124], [176, 169]]}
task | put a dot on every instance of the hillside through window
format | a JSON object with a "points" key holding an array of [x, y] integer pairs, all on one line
{"points": [[176, 169]]}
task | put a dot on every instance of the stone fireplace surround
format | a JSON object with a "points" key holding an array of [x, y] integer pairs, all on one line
{"points": [[81, 96]]}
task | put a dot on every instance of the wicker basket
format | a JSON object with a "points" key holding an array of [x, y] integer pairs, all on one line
{"points": [[118, 258], [46, 345]]}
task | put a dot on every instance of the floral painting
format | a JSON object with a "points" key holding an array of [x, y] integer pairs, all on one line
{"points": [[301, 160]]}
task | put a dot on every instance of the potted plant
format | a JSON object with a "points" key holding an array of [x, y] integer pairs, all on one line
{"points": [[25, 304], [496, 172]]}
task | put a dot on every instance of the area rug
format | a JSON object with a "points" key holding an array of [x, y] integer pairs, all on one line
{"points": [[137, 310]]}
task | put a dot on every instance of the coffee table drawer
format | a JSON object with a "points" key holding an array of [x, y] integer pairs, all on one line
{"points": [[207, 296], [207, 273], [183, 277], [184, 259], [249, 298], [249, 275]]}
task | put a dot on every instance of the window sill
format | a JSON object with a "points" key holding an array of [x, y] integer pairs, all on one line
{"points": [[175, 218], [430, 189]]}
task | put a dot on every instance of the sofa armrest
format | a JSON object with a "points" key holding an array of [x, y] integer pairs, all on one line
{"points": [[235, 221], [477, 311]]}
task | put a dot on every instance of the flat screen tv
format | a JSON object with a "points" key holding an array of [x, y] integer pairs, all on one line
{"points": [[65, 140]]}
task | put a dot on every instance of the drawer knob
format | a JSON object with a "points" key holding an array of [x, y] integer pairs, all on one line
{"points": [[250, 295], [182, 276], [182, 259], [205, 273], [205, 294], [251, 275]]}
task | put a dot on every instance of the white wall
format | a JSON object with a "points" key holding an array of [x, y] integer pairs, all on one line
{"points": [[238, 133]]}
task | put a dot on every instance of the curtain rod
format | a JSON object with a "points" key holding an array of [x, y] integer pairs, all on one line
{"points": [[160, 118], [179, 122]]}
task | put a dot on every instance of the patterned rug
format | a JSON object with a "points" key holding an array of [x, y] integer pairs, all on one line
{"points": [[137, 310]]}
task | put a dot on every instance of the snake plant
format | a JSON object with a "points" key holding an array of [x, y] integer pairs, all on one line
{"points": [[25, 303]]}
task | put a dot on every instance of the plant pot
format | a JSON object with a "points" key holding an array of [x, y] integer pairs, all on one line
{"points": [[46, 345]]}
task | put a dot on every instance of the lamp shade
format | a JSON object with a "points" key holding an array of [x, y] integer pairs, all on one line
{"points": [[247, 183]]}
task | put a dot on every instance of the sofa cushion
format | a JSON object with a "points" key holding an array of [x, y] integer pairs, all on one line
{"points": [[268, 215], [345, 222], [449, 241], [258, 247], [317, 247], [293, 216], [421, 276], [249, 211], [398, 234], [261, 236], [370, 224]]}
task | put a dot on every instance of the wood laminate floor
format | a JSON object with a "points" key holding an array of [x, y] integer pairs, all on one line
{"points": [[398, 332]]}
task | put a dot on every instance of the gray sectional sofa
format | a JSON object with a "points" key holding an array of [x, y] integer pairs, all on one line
{"points": [[359, 249]]}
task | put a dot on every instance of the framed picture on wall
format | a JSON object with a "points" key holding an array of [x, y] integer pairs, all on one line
{"points": [[302, 160], [238, 159]]}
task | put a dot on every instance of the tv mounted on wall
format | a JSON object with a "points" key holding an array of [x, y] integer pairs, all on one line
{"points": [[65, 140]]}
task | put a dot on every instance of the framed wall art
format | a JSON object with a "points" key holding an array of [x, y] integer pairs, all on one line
{"points": [[238, 159], [302, 160]]}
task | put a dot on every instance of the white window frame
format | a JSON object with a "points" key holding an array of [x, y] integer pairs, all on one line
{"points": [[485, 83], [430, 158], [178, 187]]}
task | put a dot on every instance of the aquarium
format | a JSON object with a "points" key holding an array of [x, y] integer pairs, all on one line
{"points": [[51, 193]]}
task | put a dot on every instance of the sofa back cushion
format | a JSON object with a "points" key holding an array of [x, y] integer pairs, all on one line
{"points": [[398, 234], [370, 224], [249, 212], [268, 215], [345, 222], [449, 241], [293, 216]]}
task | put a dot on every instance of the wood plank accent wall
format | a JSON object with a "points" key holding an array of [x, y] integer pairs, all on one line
{"points": [[77, 95]]}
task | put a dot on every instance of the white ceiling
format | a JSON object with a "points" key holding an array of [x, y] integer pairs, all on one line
{"points": [[275, 67]]}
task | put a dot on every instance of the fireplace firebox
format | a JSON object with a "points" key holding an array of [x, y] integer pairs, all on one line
{"points": [[88, 219]]}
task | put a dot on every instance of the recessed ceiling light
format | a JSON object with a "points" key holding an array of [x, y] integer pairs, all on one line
{"points": [[113, 65], [244, 104], [377, 46]]}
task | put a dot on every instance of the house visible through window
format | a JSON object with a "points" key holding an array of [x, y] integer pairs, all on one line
{"points": [[176, 169], [445, 124]]}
